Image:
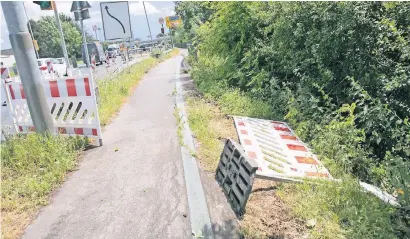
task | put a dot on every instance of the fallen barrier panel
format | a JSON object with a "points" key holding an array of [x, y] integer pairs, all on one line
{"points": [[282, 157], [235, 174], [277, 149], [72, 105]]}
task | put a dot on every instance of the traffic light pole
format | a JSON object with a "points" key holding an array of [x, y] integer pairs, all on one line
{"points": [[31, 31], [87, 57], [27, 66], [63, 46]]}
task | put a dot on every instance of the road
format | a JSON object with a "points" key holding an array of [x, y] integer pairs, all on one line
{"points": [[103, 71], [133, 186]]}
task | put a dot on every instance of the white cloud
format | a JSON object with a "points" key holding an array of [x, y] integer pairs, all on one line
{"points": [[136, 8]]}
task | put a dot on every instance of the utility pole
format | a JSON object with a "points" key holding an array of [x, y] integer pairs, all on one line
{"points": [[27, 66], [31, 31], [143, 3], [61, 34]]}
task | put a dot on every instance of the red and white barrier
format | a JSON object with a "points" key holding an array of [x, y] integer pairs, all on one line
{"points": [[5, 74], [50, 67], [93, 62], [277, 149], [72, 103]]}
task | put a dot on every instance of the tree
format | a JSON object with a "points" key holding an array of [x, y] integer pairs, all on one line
{"points": [[46, 33]]}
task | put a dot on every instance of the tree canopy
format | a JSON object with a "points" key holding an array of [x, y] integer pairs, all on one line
{"points": [[46, 33]]}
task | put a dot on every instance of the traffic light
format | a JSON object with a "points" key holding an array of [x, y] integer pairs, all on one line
{"points": [[45, 5]]}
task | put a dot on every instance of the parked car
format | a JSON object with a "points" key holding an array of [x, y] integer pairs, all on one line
{"points": [[96, 49]]}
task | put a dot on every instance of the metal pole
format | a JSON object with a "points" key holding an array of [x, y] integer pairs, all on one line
{"points": [[85, 48], [170, 35], [149, 28], [31, 31], [27, 66], [61, 34]]}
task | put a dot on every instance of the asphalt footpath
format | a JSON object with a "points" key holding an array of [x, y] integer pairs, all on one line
{"points": [[133, 186]]}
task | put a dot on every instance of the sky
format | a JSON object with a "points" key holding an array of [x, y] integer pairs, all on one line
{"points": [[155, 10]]}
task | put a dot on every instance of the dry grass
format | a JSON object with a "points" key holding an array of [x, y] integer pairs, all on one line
{"points": [[210, 128]]}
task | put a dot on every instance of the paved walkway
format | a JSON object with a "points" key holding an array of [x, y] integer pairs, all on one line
{"points": [[133, 186]]}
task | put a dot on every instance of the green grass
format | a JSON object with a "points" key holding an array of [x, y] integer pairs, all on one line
{"points": [[33, 165], [341, 210]]}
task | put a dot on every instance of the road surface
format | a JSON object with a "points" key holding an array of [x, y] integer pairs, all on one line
{"points": [[133, 186], [103, 71]]}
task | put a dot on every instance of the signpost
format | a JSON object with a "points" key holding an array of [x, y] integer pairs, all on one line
{"points": [[173, 21]]}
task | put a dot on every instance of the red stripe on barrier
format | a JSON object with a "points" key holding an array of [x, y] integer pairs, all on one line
{"points": [[316, 174], [281, 128], [244, 131], [87, 87], [23, 96], [291, 137], [21, 128], [12, 92], [95, 132], [247, 142], [241, 124], [306, 160], [71, 90], [62, 130], [296, 147], [54, 89], [252, 154], [78, 131]]}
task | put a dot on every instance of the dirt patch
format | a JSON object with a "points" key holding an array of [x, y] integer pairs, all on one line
{"points": [[267, 216]]}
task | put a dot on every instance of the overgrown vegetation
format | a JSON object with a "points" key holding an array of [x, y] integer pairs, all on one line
{"points": [[338, 73], [33, 165]]}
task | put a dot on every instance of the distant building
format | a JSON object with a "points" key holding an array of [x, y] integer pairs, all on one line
{"points": [[7, 57]]}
